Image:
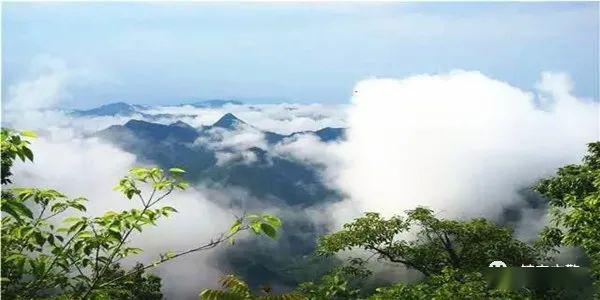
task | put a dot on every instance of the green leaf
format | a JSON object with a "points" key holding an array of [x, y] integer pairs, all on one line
{"points": [[169, 209], [9, 210], [71, 219], [272, 220], [132, 250], [170, 254], [86, 234], [16, 209], [27, 152], [29, 134], [255, 227], [268, 230], [182, 185], [235, 227], [115, 234], [176, 170]]}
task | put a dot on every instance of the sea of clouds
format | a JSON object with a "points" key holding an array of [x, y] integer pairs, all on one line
{"points": [[461, 143]]}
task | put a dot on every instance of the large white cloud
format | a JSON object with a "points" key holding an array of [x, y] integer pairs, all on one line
{"points": [[461, 143]]}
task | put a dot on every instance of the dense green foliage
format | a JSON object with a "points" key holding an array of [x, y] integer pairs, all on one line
{"points": [[340, 283], [439, 243], [136, 286], [237, 289], [52, 249], [448, 284], [574, 194], [14, 145]]}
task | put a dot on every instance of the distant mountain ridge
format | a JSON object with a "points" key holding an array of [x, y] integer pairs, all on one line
{"points": [[126, 109], [179, 131], [215, 103], [228, 121], [175, 145], [122, 109], [111, 109]]}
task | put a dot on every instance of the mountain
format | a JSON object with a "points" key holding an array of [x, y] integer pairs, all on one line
{"points": [[178, 131], [228, 121], [165, 145], [125, 110], [112, 109], [282, 183], [329, 134], [282, 180], [217, 103]]}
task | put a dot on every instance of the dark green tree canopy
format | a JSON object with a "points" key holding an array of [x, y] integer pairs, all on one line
{"points": [[574, 195], [438, 243], [448, 284]]}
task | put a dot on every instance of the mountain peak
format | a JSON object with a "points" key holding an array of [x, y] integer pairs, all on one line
{"points": [[118, 103], [178, 131], [110, 109], [228, 121], [116, 106], [136, 123], [328, 134], [181, 124]]}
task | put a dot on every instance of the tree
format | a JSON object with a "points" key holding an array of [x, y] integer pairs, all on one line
{"points": [[79, 257], [237, 289], [340, 283], [438, 244], [14, 145], [137, 286], [574, 196]]}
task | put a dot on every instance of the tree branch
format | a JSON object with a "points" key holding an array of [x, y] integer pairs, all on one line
{"points": [[213, 243], [395, 259]]}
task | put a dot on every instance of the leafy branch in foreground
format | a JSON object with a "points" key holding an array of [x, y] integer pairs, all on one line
{"points": [[574, 194], [79, 258], [14, 145], [260, 224]]}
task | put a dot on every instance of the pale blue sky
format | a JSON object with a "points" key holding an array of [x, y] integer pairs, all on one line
{"points": [[269, 52]]}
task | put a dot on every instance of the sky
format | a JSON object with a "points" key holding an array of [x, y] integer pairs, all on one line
{"points": [[167, 53]]}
